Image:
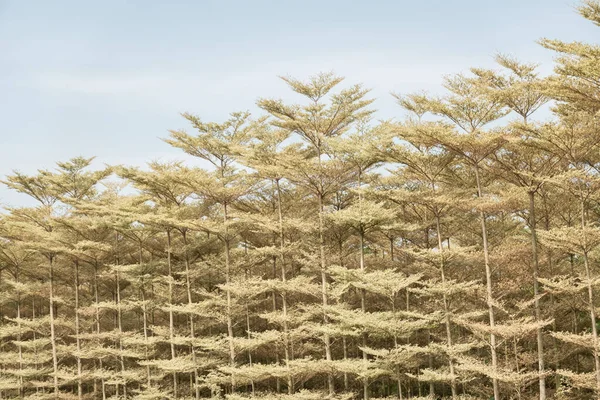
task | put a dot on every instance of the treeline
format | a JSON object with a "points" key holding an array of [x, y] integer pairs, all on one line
{"points": [[324, 255]]}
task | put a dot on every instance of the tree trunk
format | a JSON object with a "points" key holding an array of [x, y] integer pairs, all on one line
{"points": [[171, 322], [363, 308], [284, 305], [345, 350], [488, 281], [20, 348], [96, 300], [78, 341], [52, 330], [188, 286], [590, 291], [445, 301], [144, 319], [120, 327], [274, 300], [324, 296], [229, 300], [536, 294]]}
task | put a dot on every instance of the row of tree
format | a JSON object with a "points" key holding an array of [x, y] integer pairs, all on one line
{"points": [[321, 255]]}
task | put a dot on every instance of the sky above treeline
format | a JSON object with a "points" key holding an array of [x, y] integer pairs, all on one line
{"points": [[110, 78]]}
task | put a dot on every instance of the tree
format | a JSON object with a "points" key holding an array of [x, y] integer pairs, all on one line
{"points": [[315, 123]]}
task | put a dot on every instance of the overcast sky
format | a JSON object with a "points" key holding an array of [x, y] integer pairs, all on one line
{"points": [[110, 78]]}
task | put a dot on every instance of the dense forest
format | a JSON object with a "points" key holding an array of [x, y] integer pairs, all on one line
{"points": [[323, 254]]}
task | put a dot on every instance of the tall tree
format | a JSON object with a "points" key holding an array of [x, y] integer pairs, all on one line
{"points": [[315, 122]]}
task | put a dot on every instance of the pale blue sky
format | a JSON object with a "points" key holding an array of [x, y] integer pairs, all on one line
{"points": [[109, 78]]}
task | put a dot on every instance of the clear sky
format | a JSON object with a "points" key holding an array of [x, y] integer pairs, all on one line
{"points": [[109, 78]]}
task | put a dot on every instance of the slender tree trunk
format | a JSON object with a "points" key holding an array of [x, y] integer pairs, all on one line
{"points": [[171, 317], [20, 348], [96, 300], [362, 291], [488, 279], [249, 352], [52, 330], [229, 300], [78, 340], [34, 335], [398, 381], [120, 327], [445, 301], [517, 367], [536, 294], [590, 290], [551, 272], [430, 365], [188, 286], [428, 334], [345, 353], [284, 304], [248, 335], [324, 295], [274, 300], [144, 318], [363, 308]]}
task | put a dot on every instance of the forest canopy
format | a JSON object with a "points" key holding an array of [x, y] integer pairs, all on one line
{"points": [[323, 254]]}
